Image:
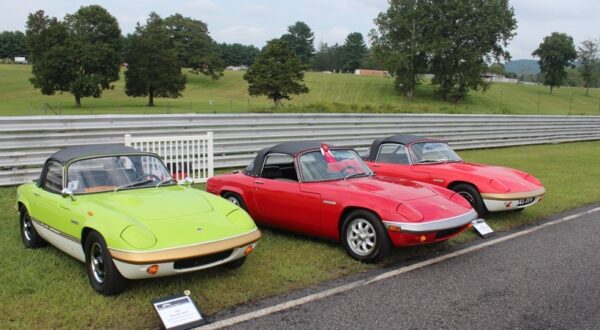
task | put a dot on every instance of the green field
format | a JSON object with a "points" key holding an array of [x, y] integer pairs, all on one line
{"points": [[328, 92], [45, 288]]}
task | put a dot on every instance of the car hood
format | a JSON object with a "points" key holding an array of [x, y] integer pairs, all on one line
{"points": [[173, 216], [400, 190], [507, 176]]}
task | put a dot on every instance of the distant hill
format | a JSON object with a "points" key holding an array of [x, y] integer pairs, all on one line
{"points": [[522, 67]]}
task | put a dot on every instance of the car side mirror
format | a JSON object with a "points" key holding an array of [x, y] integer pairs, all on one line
{"points": [[66, 192], [187, 181]]}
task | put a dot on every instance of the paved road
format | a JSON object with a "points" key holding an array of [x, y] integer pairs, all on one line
{"points": [[547, 279]]}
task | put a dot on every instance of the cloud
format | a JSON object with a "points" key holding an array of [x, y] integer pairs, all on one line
{"points": [[244, 34], [256, 9], [202, 5]]}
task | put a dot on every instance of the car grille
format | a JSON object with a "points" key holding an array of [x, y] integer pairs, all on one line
{"points": [[447, 232], [202, 260]]}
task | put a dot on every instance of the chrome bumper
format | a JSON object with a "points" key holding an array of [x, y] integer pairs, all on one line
{"points": [[435, 225]]}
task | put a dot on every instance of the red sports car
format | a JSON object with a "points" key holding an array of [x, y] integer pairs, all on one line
{"points": [[487, 188], [329, 192]]}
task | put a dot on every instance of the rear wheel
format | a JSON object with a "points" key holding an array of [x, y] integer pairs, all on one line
{"points": [[31, 239], [235, 199], [364, 236], [101, 270], [471, 194]]}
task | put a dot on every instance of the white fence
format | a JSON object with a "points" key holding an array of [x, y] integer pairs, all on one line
{"points": [[185, 156], [27, 141]]}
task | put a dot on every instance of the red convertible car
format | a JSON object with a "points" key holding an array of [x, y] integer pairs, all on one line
{"points": [[486, 187], [328, 192]]}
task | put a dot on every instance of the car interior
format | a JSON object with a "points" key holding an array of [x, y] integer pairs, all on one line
{"points": [[279, 167], [393, 153]]}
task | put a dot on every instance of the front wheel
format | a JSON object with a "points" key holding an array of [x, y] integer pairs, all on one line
{"points": [[471, 194], [101, 270], [30, 237], [364, 236]]}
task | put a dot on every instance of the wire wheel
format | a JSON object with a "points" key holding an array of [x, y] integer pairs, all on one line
{"points": [[361, 237], [97, 262]]}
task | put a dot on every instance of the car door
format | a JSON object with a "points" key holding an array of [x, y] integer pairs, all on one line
{"points": [[51, 207], [279, 200], [393, 161]]}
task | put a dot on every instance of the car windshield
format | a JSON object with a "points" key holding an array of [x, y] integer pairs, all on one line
{"points": [[433, 152], [332, 165], [116, 172]]}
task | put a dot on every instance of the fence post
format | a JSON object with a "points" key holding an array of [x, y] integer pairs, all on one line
{"points": [[211, 167], [128, 140]]}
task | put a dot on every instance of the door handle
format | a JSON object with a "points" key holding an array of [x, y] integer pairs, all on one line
{"points": [[258, 182], [376, 165]]}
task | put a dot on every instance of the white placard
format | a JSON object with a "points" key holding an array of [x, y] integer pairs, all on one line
{"points": [[482, 228], [178, 311]]}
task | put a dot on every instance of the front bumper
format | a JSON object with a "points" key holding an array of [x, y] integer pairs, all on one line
{"points": [[415, 233], [435, 225], [139, 271], [512, 201], [134, 264]]}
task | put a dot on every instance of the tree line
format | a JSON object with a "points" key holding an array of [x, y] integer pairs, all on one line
{"points": [[454, 41]]}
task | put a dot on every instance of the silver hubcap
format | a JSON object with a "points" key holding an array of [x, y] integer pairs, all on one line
{"points": [[97, 262], [233, 200], [27, 227], [468, 197], [361, 237]]}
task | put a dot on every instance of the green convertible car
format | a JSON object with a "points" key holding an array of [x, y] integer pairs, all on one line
{"points": [[118, 210]]}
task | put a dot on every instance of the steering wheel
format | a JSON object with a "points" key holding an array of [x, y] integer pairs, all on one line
{"points": [[151, 176], [348, 169]]}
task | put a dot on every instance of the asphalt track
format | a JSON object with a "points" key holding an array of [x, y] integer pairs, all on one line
{"points": [[545, 277]]}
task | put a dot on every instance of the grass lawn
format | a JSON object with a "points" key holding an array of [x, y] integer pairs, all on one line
{"points": [[45, 288], [328, 92]]}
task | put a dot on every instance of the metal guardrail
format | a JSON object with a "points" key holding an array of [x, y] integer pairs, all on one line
{"points": [[25, 142]]}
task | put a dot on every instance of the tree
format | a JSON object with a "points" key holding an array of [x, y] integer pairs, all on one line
{"points": [[401, 42], [153, 69], [327, 58], [556, 52], [238, 54], [451, 39], [300, 39], [194, 47], [277, 73], [497, 68], [79, 55], [588, 60], [13, 44], [354, 51]]}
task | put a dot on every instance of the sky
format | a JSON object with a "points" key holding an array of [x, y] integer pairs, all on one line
{"points": [[256, 21]]}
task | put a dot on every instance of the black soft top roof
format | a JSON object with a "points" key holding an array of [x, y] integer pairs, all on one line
{"points": [[404, 139], [292, 148], [66, 155]]}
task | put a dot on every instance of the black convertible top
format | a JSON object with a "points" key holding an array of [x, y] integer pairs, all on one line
{"points": [[292, 148], [66, 155], [404, 139]]}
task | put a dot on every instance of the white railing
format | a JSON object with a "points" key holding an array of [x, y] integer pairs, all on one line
{"points": [[185, 156]]}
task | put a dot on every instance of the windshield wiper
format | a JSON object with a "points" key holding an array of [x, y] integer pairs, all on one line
{"points": [[133, 184], [425, 161], [355, 174], [165, 181]]}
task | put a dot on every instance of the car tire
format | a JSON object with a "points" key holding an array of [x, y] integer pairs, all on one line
{"points": [[30, 237], [237, 263], [471, 194], [364, 236], [101, 270], [235, 199]]}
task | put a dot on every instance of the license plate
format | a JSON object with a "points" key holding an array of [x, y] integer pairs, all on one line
{"points": [[482, 228], [525, 201]]}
